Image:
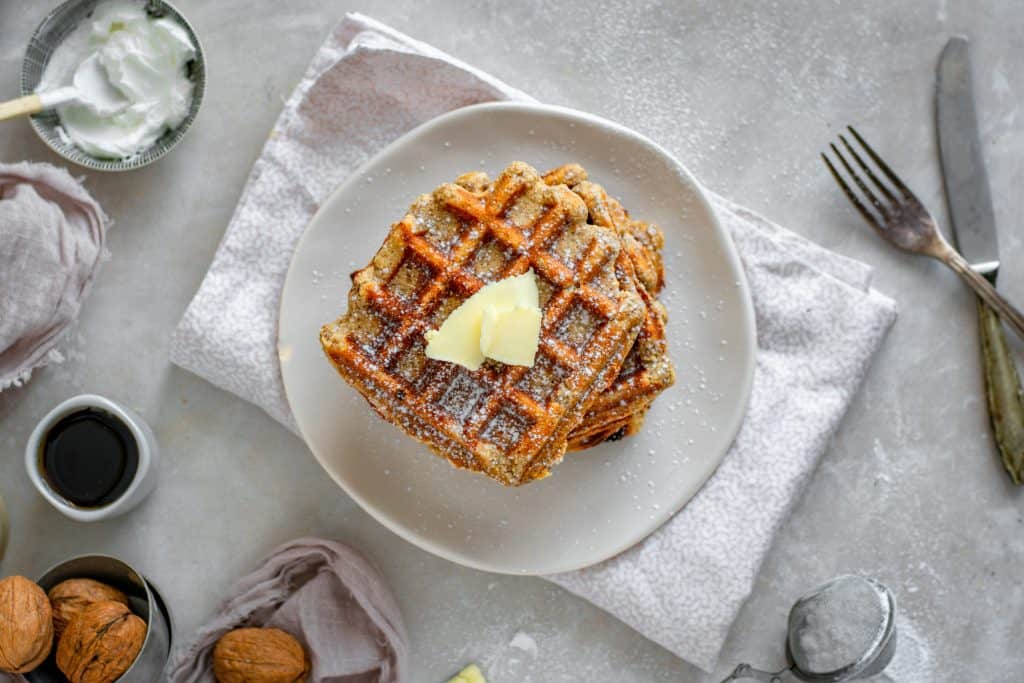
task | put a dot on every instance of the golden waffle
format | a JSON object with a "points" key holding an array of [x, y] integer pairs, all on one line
{"points": [[509, 422], [647, 370], [642, 241], [627, 426]]}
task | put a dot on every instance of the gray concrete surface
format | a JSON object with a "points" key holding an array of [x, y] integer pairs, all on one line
{"points": [[746, 94]]}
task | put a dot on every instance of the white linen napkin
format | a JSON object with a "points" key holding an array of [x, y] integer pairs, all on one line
{"points": [[818, 326]]}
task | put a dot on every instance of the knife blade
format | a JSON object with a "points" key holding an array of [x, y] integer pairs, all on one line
{"points": [[974, 230], [963, 167]]}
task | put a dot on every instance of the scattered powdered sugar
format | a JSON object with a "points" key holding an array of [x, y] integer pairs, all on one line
{"points": [[913, 661], [524, 642], [525, 631]]}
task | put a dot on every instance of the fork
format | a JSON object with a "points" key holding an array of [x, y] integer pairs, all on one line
{"points": [[902, 220]]}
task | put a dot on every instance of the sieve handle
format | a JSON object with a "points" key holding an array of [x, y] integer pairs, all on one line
{"points": [[745, 671]]}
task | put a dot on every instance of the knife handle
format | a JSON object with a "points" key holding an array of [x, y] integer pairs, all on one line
{"points": [[1002, 388], [984, 289]]}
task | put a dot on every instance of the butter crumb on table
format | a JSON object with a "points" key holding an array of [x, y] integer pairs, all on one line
{"points": [[471, 674]]}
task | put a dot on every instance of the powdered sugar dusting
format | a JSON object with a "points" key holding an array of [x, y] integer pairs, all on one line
{"points": [[524, 642], [500, 229], [914, 661]]}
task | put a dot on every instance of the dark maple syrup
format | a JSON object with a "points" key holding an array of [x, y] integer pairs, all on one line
{"points": [[89, 458]]}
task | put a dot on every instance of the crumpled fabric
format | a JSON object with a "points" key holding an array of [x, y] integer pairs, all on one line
{"points": [[327, 595], [52, 236]]}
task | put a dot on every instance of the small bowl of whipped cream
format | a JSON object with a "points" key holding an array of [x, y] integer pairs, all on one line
{"points": [[127, 78]]}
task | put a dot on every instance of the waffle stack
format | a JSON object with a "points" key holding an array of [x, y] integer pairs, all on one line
{"points": [[602, 356]]}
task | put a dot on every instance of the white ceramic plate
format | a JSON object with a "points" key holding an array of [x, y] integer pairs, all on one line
{"points": [[597, 502]]}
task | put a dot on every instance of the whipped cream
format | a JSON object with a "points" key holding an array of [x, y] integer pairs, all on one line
{"points": [[130, 70]]}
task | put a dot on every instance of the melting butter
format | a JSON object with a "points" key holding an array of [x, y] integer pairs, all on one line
{"points": [[510, 335], [509, 304]]}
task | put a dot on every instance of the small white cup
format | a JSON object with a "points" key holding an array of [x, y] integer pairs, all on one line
{"points": [[145, 476]]}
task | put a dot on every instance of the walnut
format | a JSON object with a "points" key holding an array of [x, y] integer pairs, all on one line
{"points": [[26, 625], [100, 643], [70, 597], [259, 655]]}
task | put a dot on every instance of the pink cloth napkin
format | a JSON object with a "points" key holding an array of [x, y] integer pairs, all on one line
{"points": [[326, 595], [52, 235]]}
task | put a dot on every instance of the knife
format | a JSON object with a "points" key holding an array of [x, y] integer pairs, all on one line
{"points": [[974, 230]]}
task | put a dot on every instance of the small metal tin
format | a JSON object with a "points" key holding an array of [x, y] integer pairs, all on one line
{"points": [[165, 611], [145, 602]]}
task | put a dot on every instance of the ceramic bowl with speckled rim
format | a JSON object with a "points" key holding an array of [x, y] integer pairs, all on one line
{"points": [[55, 27]]}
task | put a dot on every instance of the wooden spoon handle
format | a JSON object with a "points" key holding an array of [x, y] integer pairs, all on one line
{"points": [[23, 106]]}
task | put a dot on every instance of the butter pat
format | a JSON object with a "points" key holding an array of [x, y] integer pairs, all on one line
{"points": [[510, 335], [471, 674], [459, 338]]}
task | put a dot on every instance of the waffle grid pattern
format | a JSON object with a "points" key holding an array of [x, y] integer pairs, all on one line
{"points": [[646, 371], [509, 421]]}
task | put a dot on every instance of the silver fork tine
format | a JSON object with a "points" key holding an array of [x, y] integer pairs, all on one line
{"points": [[881, 164], [867, 169], [865, 190], [908, 225], [868, 216]]}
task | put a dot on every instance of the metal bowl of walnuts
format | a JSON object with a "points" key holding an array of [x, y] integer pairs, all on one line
{"points": [[109, 624]]}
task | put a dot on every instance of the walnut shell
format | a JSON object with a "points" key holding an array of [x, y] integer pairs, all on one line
{"points": [[259, 655], [100, 643], [26, 625], [70, 597]]}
